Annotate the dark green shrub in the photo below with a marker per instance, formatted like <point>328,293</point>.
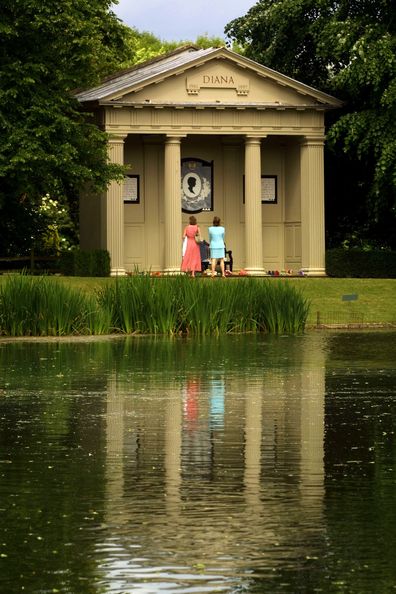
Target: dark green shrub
<point>100,263</point>
<point>82,263</point>
<point>85,263</point>
<point>360,263</point>
<point>67,263</point>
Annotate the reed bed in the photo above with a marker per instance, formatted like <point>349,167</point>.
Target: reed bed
<point>181,305</point>
<point>41,306</point>
<point>141,304</point>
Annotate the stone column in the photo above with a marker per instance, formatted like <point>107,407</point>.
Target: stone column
<point>172,205</point>
<point>312,206</point>
<point>253,217</point>
<point>114,210</point>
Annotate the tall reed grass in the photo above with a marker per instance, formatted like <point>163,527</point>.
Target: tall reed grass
<point>141,304</point>
<point>173,305</point>
<point>41,306</point>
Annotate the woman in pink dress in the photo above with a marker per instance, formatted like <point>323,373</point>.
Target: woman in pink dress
<point>192,257</point>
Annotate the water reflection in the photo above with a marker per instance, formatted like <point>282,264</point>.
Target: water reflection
<point>239,464</point>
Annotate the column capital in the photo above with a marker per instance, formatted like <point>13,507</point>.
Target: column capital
<point>174,138</point>
<point>252,139</point>
<point>116,138</point>
<point>317,140</point>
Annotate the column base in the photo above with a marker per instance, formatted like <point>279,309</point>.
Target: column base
<point>313,271</point>
<point>117,272</point>
<point>172,272</point>
<point>256,271</point>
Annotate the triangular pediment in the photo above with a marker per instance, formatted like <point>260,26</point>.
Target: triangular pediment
<point>215,76</point>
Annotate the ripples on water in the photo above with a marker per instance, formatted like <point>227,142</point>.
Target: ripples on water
<point>242,464</point>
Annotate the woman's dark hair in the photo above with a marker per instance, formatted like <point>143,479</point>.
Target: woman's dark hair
<point>193,220</point>
<point>216,221</point>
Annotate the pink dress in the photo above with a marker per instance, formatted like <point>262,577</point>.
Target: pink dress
<point>192,257</point>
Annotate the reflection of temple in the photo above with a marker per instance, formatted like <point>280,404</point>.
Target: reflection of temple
<point>220,466</point>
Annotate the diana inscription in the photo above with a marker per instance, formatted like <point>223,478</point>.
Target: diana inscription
<point>217,80</point>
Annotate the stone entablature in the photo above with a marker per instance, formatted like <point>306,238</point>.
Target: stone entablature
<point>219,120</point>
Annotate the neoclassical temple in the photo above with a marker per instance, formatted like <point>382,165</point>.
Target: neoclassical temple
<point>209,132</point>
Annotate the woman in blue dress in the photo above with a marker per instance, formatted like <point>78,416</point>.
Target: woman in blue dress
<point>217,245</point>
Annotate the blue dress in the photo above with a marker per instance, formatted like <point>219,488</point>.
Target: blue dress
<point>216,240</point>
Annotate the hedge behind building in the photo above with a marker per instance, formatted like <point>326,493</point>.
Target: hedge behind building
<point>360,263</point>
<point>85,263</point>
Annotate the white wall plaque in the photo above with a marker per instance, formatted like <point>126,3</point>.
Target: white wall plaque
<point>269,190</point>
<point>131,192</point>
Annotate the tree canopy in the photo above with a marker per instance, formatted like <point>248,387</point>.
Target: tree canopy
<point>142,46</point>
<point>47,49</point>
<point>347,48</point>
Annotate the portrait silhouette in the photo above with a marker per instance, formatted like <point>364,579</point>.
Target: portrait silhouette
<point>192,182</point>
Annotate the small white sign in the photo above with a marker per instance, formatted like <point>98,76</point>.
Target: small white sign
<point>131,188</point>
<point>268,188</point>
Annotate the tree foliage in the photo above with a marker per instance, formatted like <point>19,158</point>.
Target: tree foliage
<point>281,35</point>
<point>347,48</point>
<point>47,49</point>
<point>142,46</point>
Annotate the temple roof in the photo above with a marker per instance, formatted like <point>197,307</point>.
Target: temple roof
<point>126,87</point>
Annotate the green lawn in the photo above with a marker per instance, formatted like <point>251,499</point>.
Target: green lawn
<point>375,303</point>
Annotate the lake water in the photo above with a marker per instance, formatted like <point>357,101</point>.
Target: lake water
<point>241,464</point>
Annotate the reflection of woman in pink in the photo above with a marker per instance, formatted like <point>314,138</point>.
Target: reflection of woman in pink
<point>191,404</point>
<point>192,258</point>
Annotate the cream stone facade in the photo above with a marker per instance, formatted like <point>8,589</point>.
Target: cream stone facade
<point>254,126</point>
